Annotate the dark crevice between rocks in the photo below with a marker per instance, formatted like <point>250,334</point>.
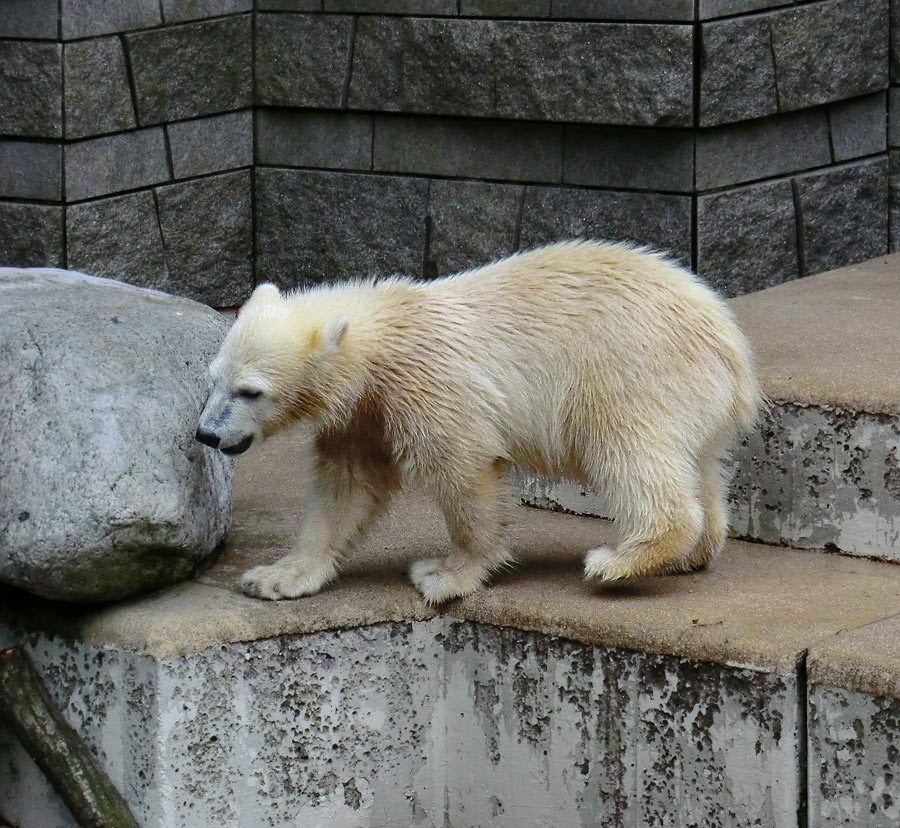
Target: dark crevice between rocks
<point>129,72</point>
<point>774,69</point>
<point>520,210</point>
<point>348,75</point>
<point>802,743</point>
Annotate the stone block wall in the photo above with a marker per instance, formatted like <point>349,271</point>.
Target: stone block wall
<point>201,146</point>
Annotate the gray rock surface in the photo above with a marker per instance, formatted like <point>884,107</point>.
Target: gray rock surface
<point>30,89</point>
<point>31,235</point>
<point>105,492</point>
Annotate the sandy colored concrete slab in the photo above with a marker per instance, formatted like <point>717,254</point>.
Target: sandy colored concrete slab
<point>758,606</point>
<point>830,339</point>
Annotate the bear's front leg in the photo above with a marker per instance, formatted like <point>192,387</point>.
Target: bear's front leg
<point>475,515</point>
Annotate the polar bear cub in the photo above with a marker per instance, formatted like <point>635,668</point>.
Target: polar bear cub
<point>597,362</point>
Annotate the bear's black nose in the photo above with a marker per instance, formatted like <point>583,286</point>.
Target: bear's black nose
<point>207,438</point>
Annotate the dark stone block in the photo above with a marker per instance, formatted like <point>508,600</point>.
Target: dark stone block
<point>31,235</point>
<point>591,72</point>
<point>630,157</point>
<point>97,96</point>
<point>180,11</point>
<point>472,223</point>
<point>208,238</point>
<point>84,18</point>
<point>662,222</point>
<point>830,50</point>
<point>762,148</point>
<point>119,238</point>
<point>319,226</point>
<point>894,200</point>
<point>894,116</point>
<point>30,18</point>
<point>844,214</point>
<point>708,9</point>
<point>444,7</point>
<point>30,89</point>
<point>468,148</point>
<point>737,71</point>
<point>207,145</point>
<point>662,10</point>
<point>858,126</point>
<point>747,237</point>
<point>115,163</point>
<point>289,5</point>
<point>302,60</point>
<point>333,140</point>
<point>894,47</point>
<point>30,170</point>
<point>190,70</point>
<point>504,8</point>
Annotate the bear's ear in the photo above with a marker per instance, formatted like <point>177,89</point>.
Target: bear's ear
<point>335,331</point>
<point>266,292</point>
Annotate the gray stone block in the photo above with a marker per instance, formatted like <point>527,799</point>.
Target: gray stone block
<point>894,116</point>
<point>107,379</point>
<point>97,92</point>
<point>442,7</point>
<point>318,226</point>
<point>844,214</point>
<point>302,60</point>
<point>30,89</point>
<point>207,145</point>
<point>31,235</point>
<point>191,70</point>
<point>86,18</point>
<point>830,50</point>
<point>894,46</point>
<point>207,234</point>
<point>662,222</point>
<point>37,19</point>
<point>894,199</point>
<point>119,238</point>
<point>179,11</point>
<point>115,163</point>
<point>289,5</point>
<point>762,148</point>
<point>30,170</point>
<point>737,73</point>
<point>332,140</point>
<point>591,72</point>
<point>472,223</point>
<point>854,742</point>
<point>630,158</point>
<point>469,148</point>
<point>858,126</point>
<point>747,237</point>
<point>661,10</point>
<point>504,8</point>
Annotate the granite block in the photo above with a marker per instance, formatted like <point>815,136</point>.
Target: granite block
<point>894,44</point>
<point>471,223</point>
<point>37,19</point>
<point>97,92</point>
<point>180,11</point>
<point>747,237</point>
<point>31,235</point>
<point>207,235</point>
<point>30,89</point>
<point>302,59</point>
<point>591,72</point>
<point>662,222</point>
<point>193,69</point>
<point>442,7</point>
<point>630,157</point>
<point>115,163</point>
<point>207,145</point>
<point>30,170</point>
<point>332,140</point>
<point>858,126</point>
<point>844,214</point>
<point>709,9</point>
<point>894,199</point>
<point>320,226</point>
<point>658,10</point>
<point>762,148</point>
<point>468,148</point>
<point>86,18</point>
<point>289,5</point>
<point>119,238</point>
<point>504,8</point>
<point>894,116</point>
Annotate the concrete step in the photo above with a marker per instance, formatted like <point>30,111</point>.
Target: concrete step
<point>823,468</point>
<point>763,692</point>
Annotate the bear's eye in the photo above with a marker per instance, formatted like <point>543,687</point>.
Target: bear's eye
<point>249,394</point>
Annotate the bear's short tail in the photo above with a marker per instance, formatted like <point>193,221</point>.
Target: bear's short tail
<point>749,400</point>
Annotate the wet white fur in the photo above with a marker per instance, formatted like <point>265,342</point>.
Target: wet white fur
<point>597,362</point>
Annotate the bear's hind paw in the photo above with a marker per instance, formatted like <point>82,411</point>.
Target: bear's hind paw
<point>438,582</point>
<point>280,581</point>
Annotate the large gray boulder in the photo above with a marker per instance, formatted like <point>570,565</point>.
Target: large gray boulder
<point>103,490</point>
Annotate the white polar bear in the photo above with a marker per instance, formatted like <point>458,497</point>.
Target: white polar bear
<point>597,362</point>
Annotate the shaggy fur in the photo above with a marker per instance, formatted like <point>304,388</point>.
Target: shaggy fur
<point>596,362</point>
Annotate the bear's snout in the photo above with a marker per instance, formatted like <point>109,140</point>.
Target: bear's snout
<point>207,438</point>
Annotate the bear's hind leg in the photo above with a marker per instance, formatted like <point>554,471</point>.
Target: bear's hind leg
<point>475,516</point>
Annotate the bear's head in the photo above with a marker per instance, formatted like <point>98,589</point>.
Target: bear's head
<point>274,368</point>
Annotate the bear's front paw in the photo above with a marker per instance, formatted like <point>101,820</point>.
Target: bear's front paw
<point>283,580</point>
<point>438,582</point>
